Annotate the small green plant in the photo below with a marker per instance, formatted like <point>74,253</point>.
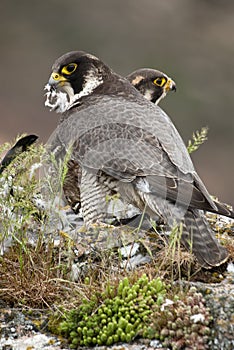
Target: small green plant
<point>198,138</point>
<point>114,318</point>
<point>146,309</point>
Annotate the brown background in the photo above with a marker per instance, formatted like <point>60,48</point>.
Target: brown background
<point>191,40</point>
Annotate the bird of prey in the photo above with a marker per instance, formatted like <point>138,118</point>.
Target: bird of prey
<point>21,146</point>
<point>154,86</point>
<point>128,146</point>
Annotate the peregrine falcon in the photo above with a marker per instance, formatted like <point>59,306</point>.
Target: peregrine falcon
<point>154,86</point>
<point>152,83</point>
<point>126,145</point>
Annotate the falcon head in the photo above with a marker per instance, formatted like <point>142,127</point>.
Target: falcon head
<point>153,84</point>
<point>74,75</point>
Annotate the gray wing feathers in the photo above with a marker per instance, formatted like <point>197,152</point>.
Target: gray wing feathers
<point>115,138</point>
<point>122,112</point>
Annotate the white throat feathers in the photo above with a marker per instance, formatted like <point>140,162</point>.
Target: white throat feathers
<point>63,99</point>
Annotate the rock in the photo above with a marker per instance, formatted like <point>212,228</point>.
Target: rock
<point>20,333</point>
<point>220,300</point>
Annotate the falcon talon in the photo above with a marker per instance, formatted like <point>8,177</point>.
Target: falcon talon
<point>99,224</point>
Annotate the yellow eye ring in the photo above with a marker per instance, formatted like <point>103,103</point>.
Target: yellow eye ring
<point>69,69</point>
<point>160,81</point>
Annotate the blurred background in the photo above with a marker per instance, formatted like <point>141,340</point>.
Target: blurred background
<point>191,40</point>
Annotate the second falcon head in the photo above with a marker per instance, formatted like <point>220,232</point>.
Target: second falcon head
<point>153,84</point>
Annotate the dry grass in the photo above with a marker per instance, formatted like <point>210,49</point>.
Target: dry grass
<point>31,277</point>
<point>40,276</point>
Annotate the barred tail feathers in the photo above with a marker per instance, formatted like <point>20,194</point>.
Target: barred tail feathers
<point>197,236</point>
<point>200,239</point>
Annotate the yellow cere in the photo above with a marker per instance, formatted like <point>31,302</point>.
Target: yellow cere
<point>56,76</point>
<point>59,78</point>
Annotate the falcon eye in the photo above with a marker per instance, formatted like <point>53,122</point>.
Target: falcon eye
<point>69,69</point>
<point>160,81</point>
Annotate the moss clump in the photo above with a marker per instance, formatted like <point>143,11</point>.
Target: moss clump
<point>139,310</point>
<point>118,318</point>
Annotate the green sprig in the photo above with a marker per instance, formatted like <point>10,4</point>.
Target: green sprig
<point>198,138</point>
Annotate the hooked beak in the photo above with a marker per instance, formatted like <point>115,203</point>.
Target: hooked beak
<point>57,79</point>
<point>170,85</point>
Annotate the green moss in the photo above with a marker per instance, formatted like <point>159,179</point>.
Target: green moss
<point>139,310</point>
<point>118,318</point>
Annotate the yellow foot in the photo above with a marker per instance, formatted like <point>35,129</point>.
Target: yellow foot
<point>99,224</point>
<point>64,235</point>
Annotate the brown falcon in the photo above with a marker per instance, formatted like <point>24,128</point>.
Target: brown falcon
<point>154,86</point>
<point>125,144</point>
